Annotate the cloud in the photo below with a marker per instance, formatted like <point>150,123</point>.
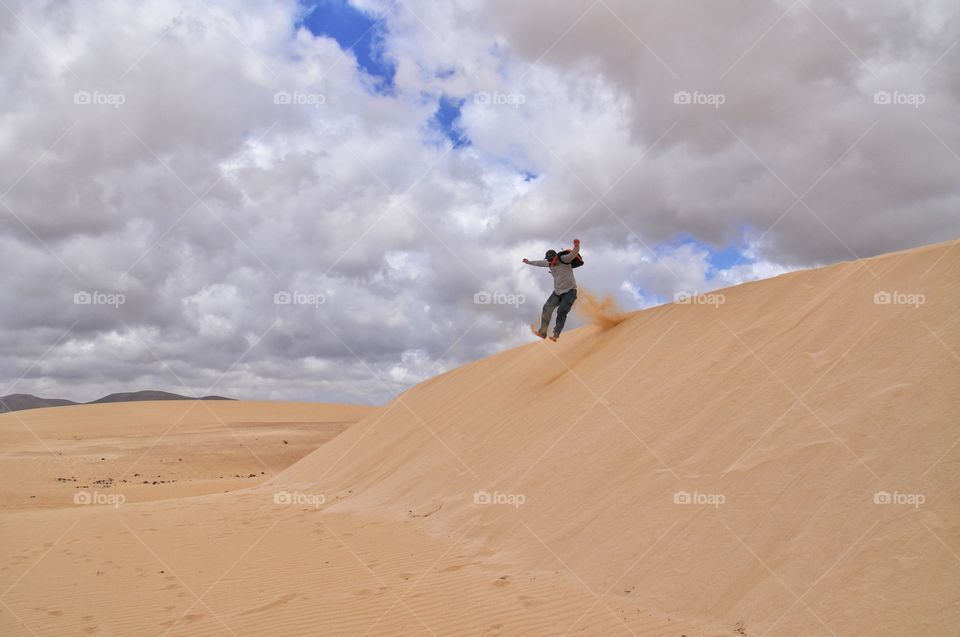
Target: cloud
<point>199,159</point>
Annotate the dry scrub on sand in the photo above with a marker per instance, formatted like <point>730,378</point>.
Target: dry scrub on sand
<point>604,313</point>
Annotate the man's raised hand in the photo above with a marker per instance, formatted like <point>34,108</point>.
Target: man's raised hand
<point>576,243</point>
<point>526,260</point>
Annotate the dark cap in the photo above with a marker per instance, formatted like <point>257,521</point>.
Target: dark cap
<point>550,255</point>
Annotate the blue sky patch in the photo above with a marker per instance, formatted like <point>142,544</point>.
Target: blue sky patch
<point>446,119</point>
<point>727,257</point>
<point>355,31</point>
<point>718,259</point>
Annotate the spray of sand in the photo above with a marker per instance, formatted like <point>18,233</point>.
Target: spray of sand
<point>604,313</point>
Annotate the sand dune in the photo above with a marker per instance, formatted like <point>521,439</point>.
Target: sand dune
<point>780,458</point>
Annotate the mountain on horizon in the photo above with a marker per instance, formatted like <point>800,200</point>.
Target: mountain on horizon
<point>149,394</point>
<point>20,402</point>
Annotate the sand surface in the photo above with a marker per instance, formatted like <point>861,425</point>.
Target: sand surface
<point>157,449</point>
<point>784,461</point>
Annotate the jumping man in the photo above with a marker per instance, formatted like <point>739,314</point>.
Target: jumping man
<point>564,288</point>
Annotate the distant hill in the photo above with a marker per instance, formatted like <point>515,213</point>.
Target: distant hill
<point>149,394</point>
<point>19,402</point>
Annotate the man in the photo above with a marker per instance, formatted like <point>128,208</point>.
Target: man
<point>564,289</point>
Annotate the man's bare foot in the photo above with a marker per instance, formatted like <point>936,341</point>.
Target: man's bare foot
<point>555,338</point>
<point>538,332</point>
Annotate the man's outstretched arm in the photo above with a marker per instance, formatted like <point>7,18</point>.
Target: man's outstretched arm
<point>540,263</point>
<point>567,258</point>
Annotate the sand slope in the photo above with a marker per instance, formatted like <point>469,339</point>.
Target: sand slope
<point>796,400</point>
<point>787,416</point>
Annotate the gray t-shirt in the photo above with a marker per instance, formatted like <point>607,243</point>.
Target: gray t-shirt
<point>563,279</point>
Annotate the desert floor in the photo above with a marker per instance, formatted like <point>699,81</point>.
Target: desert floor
<point>158,449</point>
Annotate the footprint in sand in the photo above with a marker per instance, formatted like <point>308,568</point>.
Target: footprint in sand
<point>452,568</point>
<point>528,602</point>
<point>280,601</point>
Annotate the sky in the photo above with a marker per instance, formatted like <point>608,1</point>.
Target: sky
<point>315,200</point>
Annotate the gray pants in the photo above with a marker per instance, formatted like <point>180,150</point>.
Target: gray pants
<point>562,304</point>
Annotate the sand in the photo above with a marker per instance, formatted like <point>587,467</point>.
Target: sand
<point>780,458</point>
<point>155,450</point>
<point>604,312</point>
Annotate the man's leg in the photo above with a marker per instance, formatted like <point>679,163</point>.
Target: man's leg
<point>566,302</point>
<point>547,313</point>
